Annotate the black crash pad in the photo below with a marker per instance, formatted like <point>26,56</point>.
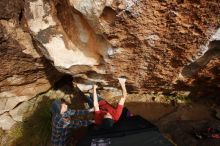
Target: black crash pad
<point>132,131</point>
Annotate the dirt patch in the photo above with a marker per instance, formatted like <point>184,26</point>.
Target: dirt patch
<point>182,132</point>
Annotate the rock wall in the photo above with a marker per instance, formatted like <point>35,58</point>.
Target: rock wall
<point>24,72</point>
<point>158,45</point>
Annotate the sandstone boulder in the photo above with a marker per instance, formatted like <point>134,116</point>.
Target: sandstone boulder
<point>157,45</point>
<point>24,72</point>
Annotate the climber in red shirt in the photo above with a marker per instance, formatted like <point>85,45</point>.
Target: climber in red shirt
<point>105,114</point>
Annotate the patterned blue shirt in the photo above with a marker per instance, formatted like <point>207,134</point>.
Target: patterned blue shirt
<point>63,124</point>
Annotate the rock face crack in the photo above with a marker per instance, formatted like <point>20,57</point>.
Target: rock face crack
<point>212,53</point>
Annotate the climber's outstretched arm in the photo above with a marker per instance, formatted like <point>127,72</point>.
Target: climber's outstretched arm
<point>95,99</point>
<point>124,91</point>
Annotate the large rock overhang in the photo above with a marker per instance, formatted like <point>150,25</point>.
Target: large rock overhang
<point>156,45</point>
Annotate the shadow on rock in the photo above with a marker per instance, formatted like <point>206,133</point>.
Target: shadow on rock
<point>36,129</point>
